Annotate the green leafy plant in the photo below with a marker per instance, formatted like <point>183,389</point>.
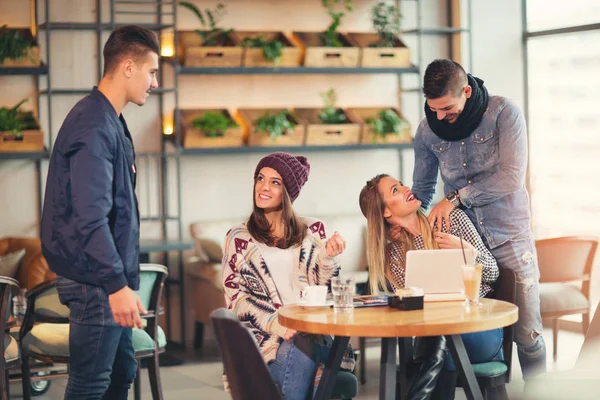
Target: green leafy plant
<point>387,122</point>
<point>213,124</point>
<point>275,125</point>
<point>271,48</point>
<point>15,121</point>
<point>386,21</point>
<point>212,36</point>
<point>12,44</point>
<point>330,36</point>
<point>330,113</point>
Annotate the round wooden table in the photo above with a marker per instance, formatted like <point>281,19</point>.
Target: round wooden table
<point>450,319</point>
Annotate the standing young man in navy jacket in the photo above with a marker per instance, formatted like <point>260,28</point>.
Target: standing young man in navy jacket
<point>90,220</point>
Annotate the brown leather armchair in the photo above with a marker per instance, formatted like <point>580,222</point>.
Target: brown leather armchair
<point>34,267</point>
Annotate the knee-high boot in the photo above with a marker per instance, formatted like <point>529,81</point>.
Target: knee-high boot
<point>428,372</point>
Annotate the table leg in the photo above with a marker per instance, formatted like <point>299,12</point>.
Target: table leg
<point>405,354</point>
<point>387,374</point>
<point>332,366</point>
<point>464,368</point>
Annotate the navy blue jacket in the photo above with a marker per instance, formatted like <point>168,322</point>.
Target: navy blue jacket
<point>90,220</point>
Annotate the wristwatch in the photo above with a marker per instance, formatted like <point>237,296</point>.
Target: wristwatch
<point>454,198</point>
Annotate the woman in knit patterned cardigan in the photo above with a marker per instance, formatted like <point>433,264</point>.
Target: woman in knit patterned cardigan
<point>267,262</point>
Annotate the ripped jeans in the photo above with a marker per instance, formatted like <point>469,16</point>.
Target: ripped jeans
<point>519,255</point>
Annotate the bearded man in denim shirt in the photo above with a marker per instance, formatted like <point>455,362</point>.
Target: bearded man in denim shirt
<point>479,144</point>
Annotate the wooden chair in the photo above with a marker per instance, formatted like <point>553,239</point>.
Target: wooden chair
<point>44,334</point>
<point>8,288</point>
<point>564,261</point>
<point>248,375</point>
<point>493,376</point>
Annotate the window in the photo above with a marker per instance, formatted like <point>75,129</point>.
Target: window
<point>564,119</point>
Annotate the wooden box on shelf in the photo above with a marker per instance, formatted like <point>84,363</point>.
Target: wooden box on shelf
<point>195,54</point>
<point>319,56</point>
<point>248,116</point>
<point>363,115</point>
<point>320,134</point>
<point>31,55</point>
<point>27,141</point>
<point>380,57</point>
<point>254,56</point>
<point>196,138</point>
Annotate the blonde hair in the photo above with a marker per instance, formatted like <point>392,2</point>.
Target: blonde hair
<point>378,254</point>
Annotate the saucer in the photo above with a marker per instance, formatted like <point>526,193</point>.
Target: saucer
<point>327,304</point>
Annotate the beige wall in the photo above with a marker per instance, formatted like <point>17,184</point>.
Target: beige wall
<point>216,190</point>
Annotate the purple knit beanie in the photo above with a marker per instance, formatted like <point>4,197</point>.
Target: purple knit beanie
<point>294,170</point>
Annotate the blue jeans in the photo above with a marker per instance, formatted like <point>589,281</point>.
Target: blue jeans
<point>520,256</point>
<point>102,363</point>
<point>481,347</point>
<point>294,371</point>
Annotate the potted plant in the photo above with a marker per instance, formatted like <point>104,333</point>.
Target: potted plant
<point>267,49</point>
<point>384,48</point>
<point>210,128</point>
<point>19,130</point>
<point>381,125</point>
<point>329,125</point>
<point>211,46</point>
<point>330,48</point>
<point>18,48</point>
<point>272,127</point>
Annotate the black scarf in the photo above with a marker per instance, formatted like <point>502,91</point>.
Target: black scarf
<point>469,118</point>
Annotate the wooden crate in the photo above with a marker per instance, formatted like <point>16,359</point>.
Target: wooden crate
<point>31,140</point>
<point>196,55</point>
<point>249,115</point>
<point>32,56</point>
<point>253,57</point>
<point>320,134</point>
<point>380,57</point>
<point>317,55</point>
<point>195,138</point>
<point>363,114</point>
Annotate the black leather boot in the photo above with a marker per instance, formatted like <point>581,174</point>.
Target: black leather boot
<point>429,371</point>
<point>446,386</point>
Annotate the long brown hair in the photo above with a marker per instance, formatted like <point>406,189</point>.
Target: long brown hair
<point>294,229</point>
<point>378,254</point>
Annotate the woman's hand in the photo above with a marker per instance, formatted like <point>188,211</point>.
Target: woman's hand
<point>335,245</point>
<point>289,334</point>
<point>449,241</point>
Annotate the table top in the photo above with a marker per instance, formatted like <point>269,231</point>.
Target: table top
<point>437,318</point>
<point>160,245</point>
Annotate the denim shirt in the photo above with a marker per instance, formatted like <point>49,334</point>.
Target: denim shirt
<point>487,168</point>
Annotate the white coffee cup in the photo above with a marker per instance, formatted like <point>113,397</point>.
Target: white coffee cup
<point>314,295</point>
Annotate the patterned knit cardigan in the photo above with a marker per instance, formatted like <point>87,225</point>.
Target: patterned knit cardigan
<point>250,291</point>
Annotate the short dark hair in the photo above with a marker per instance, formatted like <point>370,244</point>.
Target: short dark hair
<point>444,76</point>
<point>128,41</point>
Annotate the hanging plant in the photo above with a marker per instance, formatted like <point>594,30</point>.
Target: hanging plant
<point>386,21</point>
<point>330,113</point>
<point>275,125</point>
<point>13,45</point>
<point>387,122</point>
<point>212,35</point>
<point>330,36</point>
<point>213,124</point>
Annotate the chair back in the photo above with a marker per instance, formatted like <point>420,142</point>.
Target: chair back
<point>566,259</point>
<point>506,290</point>
<point>589,356</point>
<point>246,371</point>
<point>9,287</point>
<point>152,277</point>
